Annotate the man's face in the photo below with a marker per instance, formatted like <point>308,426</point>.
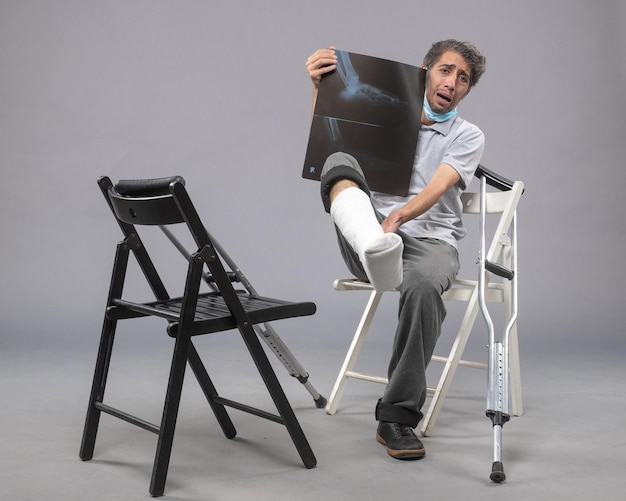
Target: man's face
<point>448,82</point>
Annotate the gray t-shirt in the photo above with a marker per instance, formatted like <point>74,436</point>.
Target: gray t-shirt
<point>458,143</point>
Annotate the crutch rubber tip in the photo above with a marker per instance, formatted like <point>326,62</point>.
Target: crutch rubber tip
<point>320,402</point>
<point>497,472</point>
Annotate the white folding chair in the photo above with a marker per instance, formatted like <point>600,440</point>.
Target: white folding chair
<point>503,204</point>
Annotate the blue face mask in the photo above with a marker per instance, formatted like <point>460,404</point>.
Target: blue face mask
<point>437,117</point>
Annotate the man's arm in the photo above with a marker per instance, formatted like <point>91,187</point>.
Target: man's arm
<point>444,177</point>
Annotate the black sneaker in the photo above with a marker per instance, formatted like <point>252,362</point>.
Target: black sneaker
<point>400,441</point>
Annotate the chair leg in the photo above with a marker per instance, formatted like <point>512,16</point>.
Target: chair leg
<point>92,419</point>
<point>170,415</point>
<point>515,377</point>
<point>278,396</point>
<point>436,403</point>
<point>120,264</point>
<point>210,393</point>
<point>353,352</point>
<point>517,407</point>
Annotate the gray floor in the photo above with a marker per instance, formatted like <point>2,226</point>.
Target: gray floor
<point>568,445</point>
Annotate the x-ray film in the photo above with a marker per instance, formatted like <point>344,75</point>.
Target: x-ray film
<point>370,108</point>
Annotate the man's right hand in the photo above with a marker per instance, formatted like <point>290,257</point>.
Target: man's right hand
<point>319,63</point>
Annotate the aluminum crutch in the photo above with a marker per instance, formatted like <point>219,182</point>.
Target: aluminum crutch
<point>498,363</point>
<point>266,331</point>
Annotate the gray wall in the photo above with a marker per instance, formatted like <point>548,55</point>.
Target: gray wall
<point>217,91</point>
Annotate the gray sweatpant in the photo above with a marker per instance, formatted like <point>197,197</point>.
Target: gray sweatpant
<point>429,267</point>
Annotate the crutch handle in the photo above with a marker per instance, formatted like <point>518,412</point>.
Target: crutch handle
<point>499,270</point>
<point>497,181</point>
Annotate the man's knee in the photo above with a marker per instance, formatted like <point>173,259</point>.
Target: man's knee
<point>429,265</point>
<point>340,167</point>
<point>340,159</point>
<point>423,282</point>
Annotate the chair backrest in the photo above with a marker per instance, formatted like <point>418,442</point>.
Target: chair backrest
<point>162,202</point>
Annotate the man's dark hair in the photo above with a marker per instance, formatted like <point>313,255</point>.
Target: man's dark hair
<point>467,50</point>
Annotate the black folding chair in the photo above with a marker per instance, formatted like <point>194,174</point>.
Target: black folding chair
<point>164,202</point>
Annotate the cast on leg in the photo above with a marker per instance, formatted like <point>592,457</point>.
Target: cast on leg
<point>380,252</point>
